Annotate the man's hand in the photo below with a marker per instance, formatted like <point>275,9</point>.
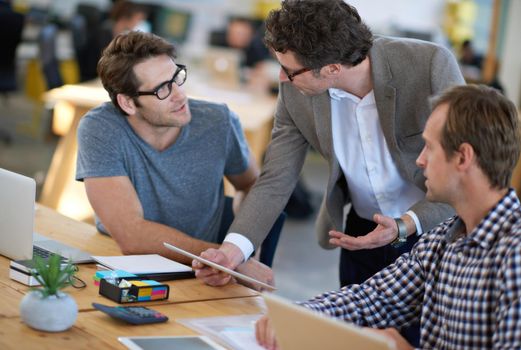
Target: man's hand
<point>209,275</point>
<point>395,336</point>
<point>383,234</point>
<point>257,270</point>
<point>265,334</point>
<point>228,255</point>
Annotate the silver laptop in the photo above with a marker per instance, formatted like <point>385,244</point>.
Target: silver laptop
<point>299,328</point>
<point>223,64</point>
<point>17,241</point>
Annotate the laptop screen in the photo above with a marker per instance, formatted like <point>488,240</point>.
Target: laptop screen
<point>299,328</point>
<point>17,199</point>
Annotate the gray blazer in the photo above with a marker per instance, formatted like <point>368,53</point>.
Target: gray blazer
<point>405,74</point>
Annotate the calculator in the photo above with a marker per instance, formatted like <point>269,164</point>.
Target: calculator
<point>132,314</point>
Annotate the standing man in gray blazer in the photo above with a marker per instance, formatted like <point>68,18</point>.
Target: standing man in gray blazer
<point>362,102</point>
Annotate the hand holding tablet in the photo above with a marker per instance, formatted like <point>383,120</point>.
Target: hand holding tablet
<point>233,273</point>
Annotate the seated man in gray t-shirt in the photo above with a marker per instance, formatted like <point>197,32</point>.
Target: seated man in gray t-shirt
<point>153,161</point>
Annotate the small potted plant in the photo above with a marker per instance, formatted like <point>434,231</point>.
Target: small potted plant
<point>48,308</point>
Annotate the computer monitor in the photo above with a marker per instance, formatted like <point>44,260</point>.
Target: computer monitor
<point>172,24</point>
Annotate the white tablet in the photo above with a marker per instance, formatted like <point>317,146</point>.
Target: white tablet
<point>220,267</point>
<point>161,343</point>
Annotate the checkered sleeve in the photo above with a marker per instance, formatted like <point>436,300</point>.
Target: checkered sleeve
<point>391,298</point>
<point>508,332</point>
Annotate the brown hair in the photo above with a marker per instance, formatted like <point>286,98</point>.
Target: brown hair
<point>482,117</point>
<point>126,9</point>
<point>116,66</point>
<point>319,32</point>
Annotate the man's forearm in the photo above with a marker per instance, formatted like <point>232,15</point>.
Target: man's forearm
<point>147,237</point>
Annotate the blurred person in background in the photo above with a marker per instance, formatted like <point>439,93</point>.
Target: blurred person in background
<point>242,34</point>
<point>123,17</point>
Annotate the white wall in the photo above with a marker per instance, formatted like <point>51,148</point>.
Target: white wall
<point>419,15</point>
<point>510,69</point>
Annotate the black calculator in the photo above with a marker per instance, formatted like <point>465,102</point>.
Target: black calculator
<point>132,314</point>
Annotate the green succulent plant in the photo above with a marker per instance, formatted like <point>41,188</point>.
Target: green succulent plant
<point>52,274</point>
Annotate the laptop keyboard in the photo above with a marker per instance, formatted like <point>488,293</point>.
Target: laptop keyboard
<point>43,253</point>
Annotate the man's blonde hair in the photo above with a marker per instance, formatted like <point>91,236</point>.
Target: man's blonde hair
<point>482,117</point>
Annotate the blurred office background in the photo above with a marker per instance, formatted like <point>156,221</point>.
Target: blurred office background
<point>49,43</point>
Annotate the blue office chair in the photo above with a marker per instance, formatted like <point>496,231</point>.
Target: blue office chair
<point>11,26</point>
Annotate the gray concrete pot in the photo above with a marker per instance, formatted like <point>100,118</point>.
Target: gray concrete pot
<point>55,313</point>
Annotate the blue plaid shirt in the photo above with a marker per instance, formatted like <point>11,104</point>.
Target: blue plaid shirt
<point>465,288</point>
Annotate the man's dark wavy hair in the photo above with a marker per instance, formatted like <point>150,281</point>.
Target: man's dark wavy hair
<point>319,32</point>
<point>125,51</point>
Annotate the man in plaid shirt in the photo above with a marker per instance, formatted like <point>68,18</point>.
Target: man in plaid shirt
<point>463,278</point>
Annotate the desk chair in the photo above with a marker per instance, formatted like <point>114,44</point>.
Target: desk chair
<point>11,26</point>
<point>49,61</point>
<point>42,74</point>
<point>89,44</point>
<point>78,27</point>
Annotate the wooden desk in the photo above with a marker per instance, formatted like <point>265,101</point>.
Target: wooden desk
<point>63,193</point>
<point>96,329</point>
<point>10,300</point>
<point>181,291</point>
<point>84,236</point>
<point>98,323</point>
<point>14,334</point>
<point>93,329</point>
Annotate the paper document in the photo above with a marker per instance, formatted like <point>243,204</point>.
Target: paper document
<point>236,332</point>
<point>142,264</point>
<point>235,274</point>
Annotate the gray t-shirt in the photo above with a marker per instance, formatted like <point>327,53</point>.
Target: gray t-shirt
<point>182,186</point>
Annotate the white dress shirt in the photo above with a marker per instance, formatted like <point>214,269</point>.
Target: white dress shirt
<point>375,184</point>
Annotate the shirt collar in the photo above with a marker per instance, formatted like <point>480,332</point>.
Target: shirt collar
<point>455,230</point>
<point>487,231</point>
<point>338,94</point>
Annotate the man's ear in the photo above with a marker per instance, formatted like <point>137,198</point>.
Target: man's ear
<point>466,156</point>
<point>126,103</point>
<point>333,68</point>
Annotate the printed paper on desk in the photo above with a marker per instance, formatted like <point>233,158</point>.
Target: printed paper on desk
<point>236,332</point>
<point>142,264</point>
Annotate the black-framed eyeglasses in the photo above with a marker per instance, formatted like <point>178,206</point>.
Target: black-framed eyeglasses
<point>164,89</point>
<point>295,73</point>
